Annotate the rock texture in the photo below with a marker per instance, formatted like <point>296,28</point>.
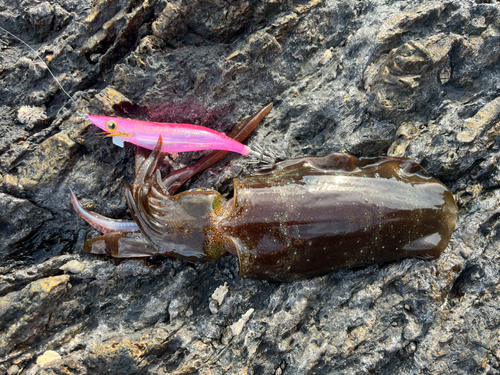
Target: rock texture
<point>408,78</point>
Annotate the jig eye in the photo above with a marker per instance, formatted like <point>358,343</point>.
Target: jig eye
<point>111,126</point>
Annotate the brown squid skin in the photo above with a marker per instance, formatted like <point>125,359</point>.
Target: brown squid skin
<point>308,216</point>
<point>302,218</point>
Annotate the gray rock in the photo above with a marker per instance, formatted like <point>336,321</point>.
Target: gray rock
<point>410,78</point>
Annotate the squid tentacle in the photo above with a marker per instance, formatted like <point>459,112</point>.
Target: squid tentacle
<point>148,167</point>
<point>139,216</point>
<point>102,223</point>
<point>136,196</point>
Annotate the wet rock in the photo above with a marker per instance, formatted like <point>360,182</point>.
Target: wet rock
<point>408,76</point>
<point>485,118</point>
<point>25,314</point>
<point>42,16</point>
<point>416,79</point>
<point>169,24</point>
<point>19,218</point>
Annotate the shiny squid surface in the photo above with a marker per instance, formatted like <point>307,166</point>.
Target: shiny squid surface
<point>304,217</point>
<point>310,215</point>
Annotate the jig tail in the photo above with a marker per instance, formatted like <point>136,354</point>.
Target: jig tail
<point>263,156</point>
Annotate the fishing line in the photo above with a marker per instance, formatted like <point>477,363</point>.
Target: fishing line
<point>44,63</point>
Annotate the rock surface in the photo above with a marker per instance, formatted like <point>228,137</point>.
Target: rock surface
<point>409,78</point>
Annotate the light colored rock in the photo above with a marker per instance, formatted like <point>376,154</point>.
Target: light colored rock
<point>73,266</point>
<point>48,357</point>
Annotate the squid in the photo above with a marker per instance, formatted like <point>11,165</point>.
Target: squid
<point>300,218</point>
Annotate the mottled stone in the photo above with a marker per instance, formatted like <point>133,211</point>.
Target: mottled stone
<point>415,79</point>
<point>407,78</point>
<point>237,327</point>
<point>46,163</point>
<point>19,219</point>
<point>218,297</point>
<point>24,314</point>
<point>48,357</point>
<point>41,16</point>
<point>73,266</point>
<point>31,115</point>
<point>485,118</point>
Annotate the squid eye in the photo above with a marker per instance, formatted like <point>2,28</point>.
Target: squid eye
<point>111,126</point>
